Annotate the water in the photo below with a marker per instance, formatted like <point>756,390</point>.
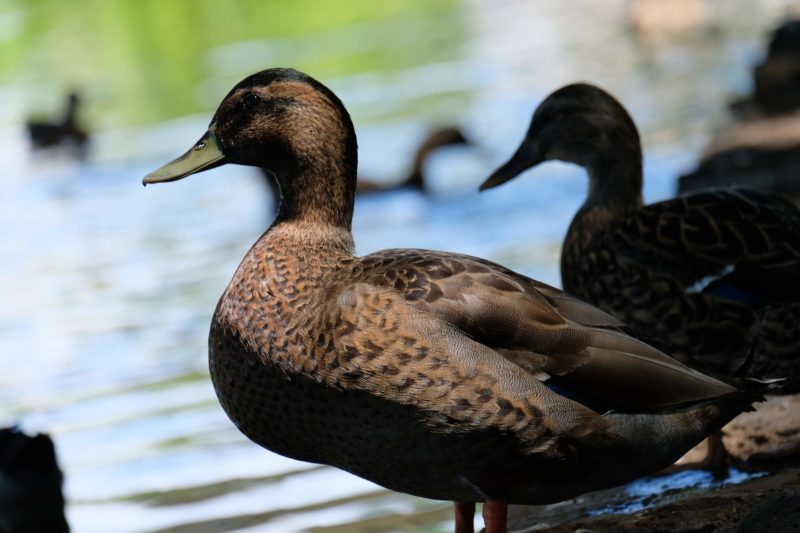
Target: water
<point>108,288</point>
<point>646,491</point>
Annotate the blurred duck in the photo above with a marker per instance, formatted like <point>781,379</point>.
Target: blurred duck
<point>763,150</point>
<point>762,153</point>
<point>437,138</point>
<point>711,275</point>
<point>776,80</point>
<point>64,131</point>
<point>30,484</point>
<point>436,374</point>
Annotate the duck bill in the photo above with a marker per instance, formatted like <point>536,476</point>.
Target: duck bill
<point>521,161</point>
<point>204,155</point>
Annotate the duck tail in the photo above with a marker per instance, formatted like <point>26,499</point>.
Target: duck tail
<point>752,390</point>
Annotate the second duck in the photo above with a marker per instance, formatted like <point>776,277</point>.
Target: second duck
<point>711,274</point>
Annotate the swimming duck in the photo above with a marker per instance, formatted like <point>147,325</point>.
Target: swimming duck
<point>437,138</point>
<point>711,274</point>
<point>435,374</point>
<point>66,130</point>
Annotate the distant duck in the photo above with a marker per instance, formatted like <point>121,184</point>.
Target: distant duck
<point>436,374</point>
<point>31,500</point>
<point>64,131</point>
<point>437,138</point>
<point>415,180</point>
<point>762,150</point>
<point>762,153</point>
<point>777,79</point>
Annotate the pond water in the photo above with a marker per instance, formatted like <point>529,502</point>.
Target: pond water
<point>108,288</point>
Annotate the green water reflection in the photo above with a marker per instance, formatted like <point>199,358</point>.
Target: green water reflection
<point>145,61</point>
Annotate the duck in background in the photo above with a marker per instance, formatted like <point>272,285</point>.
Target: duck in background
<point>415,180</point>
<point>436,374</point>
<point>710,275</point>
<point>762,149</point>
<point>66,131</point>
<point>30,484</point>
<point>436,138</point>
<point>776,80</point>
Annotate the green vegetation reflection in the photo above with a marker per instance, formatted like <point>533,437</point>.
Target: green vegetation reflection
<point>144,61</point>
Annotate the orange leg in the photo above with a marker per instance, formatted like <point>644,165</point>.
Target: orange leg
<point>494,516</point>
<point>715,460</point>
<point>465,517</point>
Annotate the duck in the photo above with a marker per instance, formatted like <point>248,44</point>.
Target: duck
<point>436,138</point>
<point>31,499</point>
<point>709,276</point>
<point>761,149</point>
<point>761,153</point>
<point>435,374</point>
<point>415,180</point>
<point>65,131</point>
<point>776,80</point>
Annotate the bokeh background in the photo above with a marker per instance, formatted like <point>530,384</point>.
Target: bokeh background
<point>107,288</point>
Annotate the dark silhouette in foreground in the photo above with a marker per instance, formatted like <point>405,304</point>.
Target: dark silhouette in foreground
<point>30,484</point>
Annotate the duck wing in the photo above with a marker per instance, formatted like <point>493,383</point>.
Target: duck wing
<point>737,244</point>
<point>468,309</point>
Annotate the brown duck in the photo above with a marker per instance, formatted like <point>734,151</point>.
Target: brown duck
<point>435,374</point>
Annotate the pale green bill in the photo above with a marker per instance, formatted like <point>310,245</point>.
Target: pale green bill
<point>205,154</point>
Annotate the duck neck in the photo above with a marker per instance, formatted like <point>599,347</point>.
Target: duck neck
<point>318,193</point>
<point>318,247</point>
<point>415,178</point>
<point>615,182</point>
<point>71,111</point>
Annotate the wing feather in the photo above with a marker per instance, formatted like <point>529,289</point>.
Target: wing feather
<point>540,329</point>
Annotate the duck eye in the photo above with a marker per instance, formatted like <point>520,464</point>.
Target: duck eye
<point>249,101</point>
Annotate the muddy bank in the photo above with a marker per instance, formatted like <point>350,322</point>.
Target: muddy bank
<point>760,494</point>
<point>766,504</point>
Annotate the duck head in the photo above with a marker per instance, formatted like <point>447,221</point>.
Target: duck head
<point>289,124</point>
<point>580,124</point>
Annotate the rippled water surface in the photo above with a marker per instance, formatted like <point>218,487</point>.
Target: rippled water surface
<point>108,288</point>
